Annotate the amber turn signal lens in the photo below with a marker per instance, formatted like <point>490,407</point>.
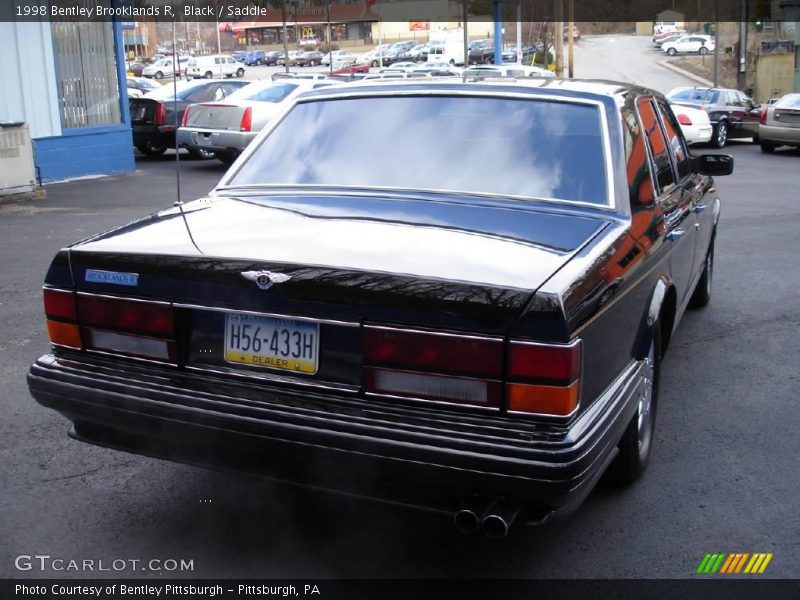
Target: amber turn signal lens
<point>64,334</point>
<point>558,401</point>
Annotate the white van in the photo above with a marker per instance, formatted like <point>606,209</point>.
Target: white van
<point>446,47</point>
<point>215,65</point>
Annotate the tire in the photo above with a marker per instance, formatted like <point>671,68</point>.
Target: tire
<point>636,445</point>
<point>240,73</point>
<point>374,63</point>
<point>258,63</point>
<point>703,50</point>
<point>159,75</point>
<point>208,75</point>
<point>767,148</point>
<point>151,150</point>
<point>199,154</point>
<point>226,158</point>
<point>702,293</point>
<point>720,137</point>
<point>672,52</point>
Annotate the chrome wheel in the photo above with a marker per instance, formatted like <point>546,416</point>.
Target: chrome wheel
<point>644,423</point>
<point>722,135</point>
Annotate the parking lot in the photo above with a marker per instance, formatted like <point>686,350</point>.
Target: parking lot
<point>723,476</point>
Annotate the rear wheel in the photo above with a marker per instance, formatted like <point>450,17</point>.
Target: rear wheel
<point>672,52</point>
<point>240,73</point>
<point>159,75</point>
<point>702,293</point>
<point>767,148</point>
<point>208,75</point>
<point>151,149</point>
<point>720,137</point>
<point>636,444</point>
<point>703,50</point>
<point>225,157</point>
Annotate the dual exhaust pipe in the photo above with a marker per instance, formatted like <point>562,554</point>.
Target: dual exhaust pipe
<point>492,516</point>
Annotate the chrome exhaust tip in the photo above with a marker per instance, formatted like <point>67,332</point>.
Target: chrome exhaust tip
<point>497,523</point>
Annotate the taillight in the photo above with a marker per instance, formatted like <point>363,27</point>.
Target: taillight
<point>62,314</point>
<point>762,117</point>
<point>247,119</point>
<point>185,118</point>
<point>439,367</point>
<point>544,378</point>
<point>160,115</point>
<point>135,327</point>
<point>684,119</point>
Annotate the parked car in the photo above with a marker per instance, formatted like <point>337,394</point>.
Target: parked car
<point>214,65</point>
<point>481,52</point>
<point>348,68</point>
<point>418,53</point>
<point>732,113</point>
<point>271,57</point>
<point>400,66</point>
<point>255,58</point>
<point>659,37</point>
<point>309,59</point>
<point>227,128</point>
<point>154,119</point>
<point>288,59</point>
<point>135,69</point>
<point>240,55</point>
<point>486,342</point>
<point>576,34</point>
<point>672,37</point>
<point>398,52</point>
<point>694,121</point>
<point>438,69</point>
<point>510,54</point>
<point>695,44</point>
<point>338,56</point>
<point>139,86</point>
<point>780,124</point>
<point>374,57</point>
<point>164,67</point>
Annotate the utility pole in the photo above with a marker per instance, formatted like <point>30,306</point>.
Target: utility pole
<point>558,38</point>
<point>285,35</point>
<point>571,37</point>
<point>519,32</point>
<point>742,74</point>
<point>466,36</point>
<point>717,49</point>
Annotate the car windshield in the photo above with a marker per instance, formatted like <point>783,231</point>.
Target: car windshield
<point>695,95</point>
<point>475,145</point>
<point>262,91</point>
<point>166,92</point>
<point>789,101</point>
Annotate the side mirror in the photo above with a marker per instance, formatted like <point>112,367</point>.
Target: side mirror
<point>713,164</point>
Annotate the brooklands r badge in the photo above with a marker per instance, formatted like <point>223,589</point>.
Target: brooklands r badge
<point>265,279</point>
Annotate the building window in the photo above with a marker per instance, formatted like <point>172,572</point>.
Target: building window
<point>86,74</point>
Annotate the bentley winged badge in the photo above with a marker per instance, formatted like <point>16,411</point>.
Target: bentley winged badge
<point>265,279</point>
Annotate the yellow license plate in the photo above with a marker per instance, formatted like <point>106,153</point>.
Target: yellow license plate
<point>273,343</point>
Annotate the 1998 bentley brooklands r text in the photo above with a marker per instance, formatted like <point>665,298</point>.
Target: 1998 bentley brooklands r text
<point>476,332</point>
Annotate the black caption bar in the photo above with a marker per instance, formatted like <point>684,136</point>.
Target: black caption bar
<point>271,11</point>
<point>547,589</point>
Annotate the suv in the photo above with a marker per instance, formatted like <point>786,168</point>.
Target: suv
<point>732,113</point>
<point>695,44</point>
<point>481,52</point>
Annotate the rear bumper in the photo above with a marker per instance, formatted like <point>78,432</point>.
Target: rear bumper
<point>785,135</point>
<point>211,139</point>
<point>423,457</point>
<point>156,135</point>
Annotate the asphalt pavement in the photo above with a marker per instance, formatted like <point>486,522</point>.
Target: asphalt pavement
<point>723,477</point>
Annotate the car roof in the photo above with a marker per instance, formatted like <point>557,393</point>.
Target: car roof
<point>588,88</point>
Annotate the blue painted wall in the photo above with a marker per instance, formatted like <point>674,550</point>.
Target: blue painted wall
<point>90,150</point>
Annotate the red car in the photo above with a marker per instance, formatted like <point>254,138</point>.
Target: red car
<point>347,68</point>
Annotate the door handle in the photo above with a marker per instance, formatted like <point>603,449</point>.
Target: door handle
<point>676,234</point>
<point>699,208</point>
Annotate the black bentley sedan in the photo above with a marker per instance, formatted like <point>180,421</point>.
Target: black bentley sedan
<point>479,334</point>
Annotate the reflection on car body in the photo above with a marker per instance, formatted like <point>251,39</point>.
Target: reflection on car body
<point>482,342</point>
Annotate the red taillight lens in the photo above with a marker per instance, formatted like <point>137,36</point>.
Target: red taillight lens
<point>185,118</point>
<point>762,117</point>
<point>247,119</point>
<point>160,115</point>
<point>684,119</point>
<point>551,362</point>
<point>437,352</point>
<point>60,304</point>
<point>126,315</point>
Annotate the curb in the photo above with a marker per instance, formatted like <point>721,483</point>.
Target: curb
<point>701,80</point>
<point>37,194</point>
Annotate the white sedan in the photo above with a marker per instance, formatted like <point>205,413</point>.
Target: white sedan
<point>696,44</point>
<point>695,123</point>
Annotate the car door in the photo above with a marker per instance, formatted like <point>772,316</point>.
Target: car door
<point>751,115</point>
<point>696,187</point>
<point>736,113</point>
<point>672,198</point>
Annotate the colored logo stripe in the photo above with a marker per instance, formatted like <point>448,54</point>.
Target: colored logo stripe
<point>734,562</point>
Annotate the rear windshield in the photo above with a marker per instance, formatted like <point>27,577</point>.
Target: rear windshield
<point>480,145</point>
<point>696,96</point>
<point>789,101</point>
<point>270,92</point>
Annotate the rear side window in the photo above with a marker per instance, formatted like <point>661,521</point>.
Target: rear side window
<point>676,142</point>
<point>479,145</point>
<point>659,149</point>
